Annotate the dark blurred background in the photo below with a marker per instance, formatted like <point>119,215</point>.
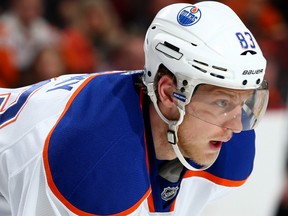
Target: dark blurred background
<point>40,39</point>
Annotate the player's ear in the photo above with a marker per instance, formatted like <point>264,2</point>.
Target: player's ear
<point>165,89</point>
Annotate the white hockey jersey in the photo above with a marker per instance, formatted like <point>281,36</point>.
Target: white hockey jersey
<point>81,145</point>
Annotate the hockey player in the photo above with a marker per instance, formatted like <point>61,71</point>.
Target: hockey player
<point>168,139</point>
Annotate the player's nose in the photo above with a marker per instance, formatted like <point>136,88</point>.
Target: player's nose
<point>234,122</point>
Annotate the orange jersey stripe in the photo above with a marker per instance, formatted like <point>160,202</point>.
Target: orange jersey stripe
<point>213,178</point>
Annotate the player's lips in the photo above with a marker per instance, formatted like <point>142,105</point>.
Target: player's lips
<point>215,145</point>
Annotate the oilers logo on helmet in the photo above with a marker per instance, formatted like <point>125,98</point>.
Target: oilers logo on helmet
<point>189,16</point>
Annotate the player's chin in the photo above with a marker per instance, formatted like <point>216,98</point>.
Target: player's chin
<point>207,160</point>
<point>211,158</point>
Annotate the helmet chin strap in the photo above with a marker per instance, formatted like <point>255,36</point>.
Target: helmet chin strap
<point>172,133</point>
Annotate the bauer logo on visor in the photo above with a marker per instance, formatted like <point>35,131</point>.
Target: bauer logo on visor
<point>189,16</point>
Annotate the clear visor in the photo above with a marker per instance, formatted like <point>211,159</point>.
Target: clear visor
<point>229,108</point>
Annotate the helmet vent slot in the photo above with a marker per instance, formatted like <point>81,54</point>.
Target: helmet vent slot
<point>219,68</point>
<point>198,68</point>
<point>217,75</point>
<point>171,46</point>
<point>197,64</point>
<point>169,50</point>
<point>202,63</point>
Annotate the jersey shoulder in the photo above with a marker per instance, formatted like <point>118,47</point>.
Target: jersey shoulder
<point>96,155</point>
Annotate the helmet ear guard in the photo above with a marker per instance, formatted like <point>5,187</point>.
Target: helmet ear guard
<point>205,43</point>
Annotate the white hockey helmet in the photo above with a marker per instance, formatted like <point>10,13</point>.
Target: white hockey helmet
<point>205,43</point>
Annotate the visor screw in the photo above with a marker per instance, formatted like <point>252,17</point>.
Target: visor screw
<point>244,82</point>
<point>185,82</point>
<point>258,81</point>
<point>149,73</point>
<point>182,89</point>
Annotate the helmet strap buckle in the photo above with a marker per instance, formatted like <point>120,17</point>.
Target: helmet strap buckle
<point>171,136</point>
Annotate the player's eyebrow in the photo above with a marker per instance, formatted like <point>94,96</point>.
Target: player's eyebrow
<point>231,93</point>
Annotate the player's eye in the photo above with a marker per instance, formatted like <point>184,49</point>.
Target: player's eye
<point>222,103</point>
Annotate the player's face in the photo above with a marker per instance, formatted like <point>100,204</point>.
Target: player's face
<point>201,141</point>
<point>212,116</point>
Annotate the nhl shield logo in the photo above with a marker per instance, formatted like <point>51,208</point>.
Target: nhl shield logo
<point>169,193</point>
